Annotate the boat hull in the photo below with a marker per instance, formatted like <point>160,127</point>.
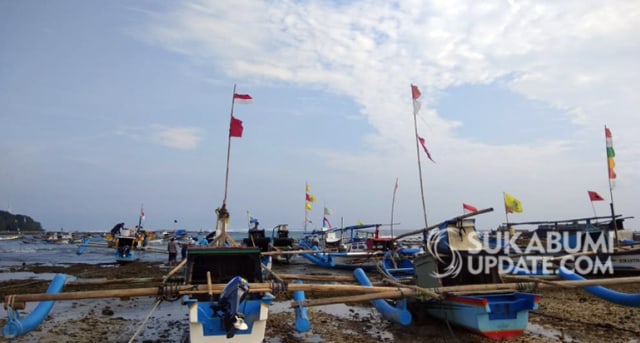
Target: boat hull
<point>495,316</point>
<point>206,327</point>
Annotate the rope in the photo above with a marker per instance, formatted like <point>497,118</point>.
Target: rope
<point>144,322</point>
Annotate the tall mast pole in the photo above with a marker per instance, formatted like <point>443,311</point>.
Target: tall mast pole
<point>393,202</point>
<point>222,213</point>
<point>226,177</point>
<point>415,128</point>
<point>610,173</point>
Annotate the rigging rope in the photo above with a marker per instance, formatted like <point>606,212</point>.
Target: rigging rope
<point>144,322</point>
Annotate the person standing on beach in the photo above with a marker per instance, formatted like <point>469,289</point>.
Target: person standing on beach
<point>183,250</point>
<point>173,251</point>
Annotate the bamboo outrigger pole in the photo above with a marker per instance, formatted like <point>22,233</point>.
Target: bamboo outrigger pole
<point>371,292</point>
<point>466,215</point>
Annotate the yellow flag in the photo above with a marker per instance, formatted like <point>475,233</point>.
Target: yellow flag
<point>308,206</point>
<point>307,189</point>
<point>511,204</point>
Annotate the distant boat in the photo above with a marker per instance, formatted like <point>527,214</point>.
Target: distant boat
<point>9,237</point>
<point>350,247</point>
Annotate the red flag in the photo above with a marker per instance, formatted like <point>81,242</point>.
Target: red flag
<point>424,146</point>
<point>469,208</point>
<point>593,196</point>
<point>242,98</point>
<point>236,127</point>
<point>415,92</point>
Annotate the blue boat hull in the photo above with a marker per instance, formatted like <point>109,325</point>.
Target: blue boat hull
<point>496,316</point>
<point>206,326</point>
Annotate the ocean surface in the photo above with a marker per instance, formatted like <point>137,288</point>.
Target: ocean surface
<point>29,249</point>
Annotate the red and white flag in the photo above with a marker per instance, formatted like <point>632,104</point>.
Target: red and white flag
<point>467,207</point>
<point>235,130</point>
<point>415,95</point>
<point>424,146</point>
<point>242,98</point>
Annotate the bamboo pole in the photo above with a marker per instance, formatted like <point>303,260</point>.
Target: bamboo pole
<point>380,291</point>
<point>174,270</point>
<point>113,281</point>
<point>354,298</point>
<point>467,215</point>
<point>336,278</point>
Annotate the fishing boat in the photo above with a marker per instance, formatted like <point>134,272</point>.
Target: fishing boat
<point>9,237</point>
<point>125,249</point>
<point>452,260</point>
<point>576,243</point>
<point>281,241</point>
<point>350,247</point>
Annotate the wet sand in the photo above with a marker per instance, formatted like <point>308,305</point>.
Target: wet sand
<point>565,315</point>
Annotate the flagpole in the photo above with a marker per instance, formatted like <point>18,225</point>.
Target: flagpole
<point>140,217</point>
<point>222,213</point>
<point>506,212</point>
<point>306,215</point>
<point>594,209</point>
<point>393,201</point>
<point>226,177</point>
<point>613,213</point>
<point>415,128</point>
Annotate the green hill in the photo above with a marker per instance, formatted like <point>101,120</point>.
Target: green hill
<point>12,222</point>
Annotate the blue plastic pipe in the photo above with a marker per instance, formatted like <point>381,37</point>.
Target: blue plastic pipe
<point>17,326</point>
<point>302,321</point>
<point>398,314</point>
<point>632,300</point>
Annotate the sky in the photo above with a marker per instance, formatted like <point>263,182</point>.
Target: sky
<point>107,107</point>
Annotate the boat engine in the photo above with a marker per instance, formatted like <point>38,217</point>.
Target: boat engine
<point>232,294</point>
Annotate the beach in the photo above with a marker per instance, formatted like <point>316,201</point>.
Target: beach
<point>565,315</point>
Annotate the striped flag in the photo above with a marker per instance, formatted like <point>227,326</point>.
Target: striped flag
<point>415,95</point>
<point>467,207</point>
<point>242,98</point>
<point>611,163</point>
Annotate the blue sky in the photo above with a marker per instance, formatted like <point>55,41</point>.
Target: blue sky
<point>107,106</point>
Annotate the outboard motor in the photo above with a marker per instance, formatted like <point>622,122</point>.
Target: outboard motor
<point>229,302</point>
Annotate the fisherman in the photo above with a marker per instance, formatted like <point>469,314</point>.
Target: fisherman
<point>183,250</point>
<point>173,251</point>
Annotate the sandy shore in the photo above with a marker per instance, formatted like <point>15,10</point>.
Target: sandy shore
<point>565,315</point>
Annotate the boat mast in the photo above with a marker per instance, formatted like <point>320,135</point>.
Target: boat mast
<point>415,94</point>
<point>221,212</point>
<point>611,176</point>
<point>393,202</point>
<point>140,217</point>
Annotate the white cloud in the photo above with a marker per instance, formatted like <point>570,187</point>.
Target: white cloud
<point>184,138</point>
<point>576,56</point>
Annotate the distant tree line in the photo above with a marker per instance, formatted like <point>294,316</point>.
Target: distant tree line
<point>13,222</point>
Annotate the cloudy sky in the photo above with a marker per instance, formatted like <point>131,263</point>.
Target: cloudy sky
<point>107,106</point>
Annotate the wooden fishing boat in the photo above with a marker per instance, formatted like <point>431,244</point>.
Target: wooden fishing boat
<point>350,247</point>
<point>125,249</point>
<point>583,242</point>
<point>235,314</point>
<point>451,247</point>
<point>281,241</point>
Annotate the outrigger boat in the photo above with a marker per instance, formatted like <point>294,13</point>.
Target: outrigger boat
<point>350,247</point>
<point>453,252</point>
<point>282,242</point>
